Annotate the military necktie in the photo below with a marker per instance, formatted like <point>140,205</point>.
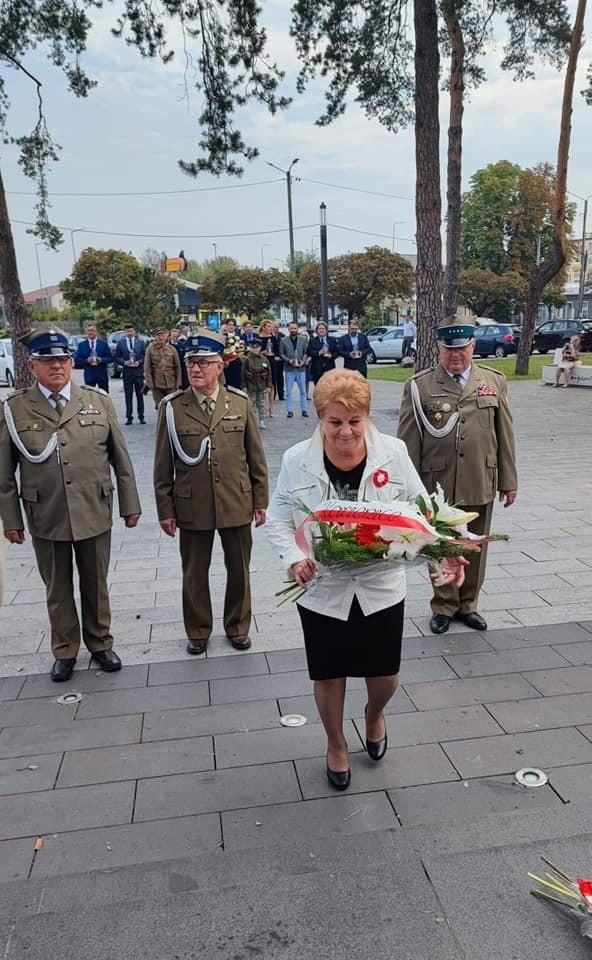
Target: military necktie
<point>208,404</point>
<point>58,401</point>
<point>458,378</point>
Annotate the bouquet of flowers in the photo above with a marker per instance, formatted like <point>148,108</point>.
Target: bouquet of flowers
<point>234,348</point>
<point>341,535</point>
<point>572,896</point>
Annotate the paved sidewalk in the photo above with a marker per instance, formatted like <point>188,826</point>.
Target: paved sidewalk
<point>179,757</point>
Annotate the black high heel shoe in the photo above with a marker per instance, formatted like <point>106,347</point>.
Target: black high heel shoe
<point>376,748</point>
<point>340,781</point>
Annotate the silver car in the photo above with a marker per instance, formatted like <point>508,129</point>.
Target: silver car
<point>389,346</point>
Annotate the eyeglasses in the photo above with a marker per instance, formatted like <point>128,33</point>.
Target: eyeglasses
<point>192,362</point>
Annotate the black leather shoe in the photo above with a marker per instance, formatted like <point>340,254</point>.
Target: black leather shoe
<point>62,670</point>
<point>195,647</point>
<point>473,620</point>
<point>128,423</point>
<point>290,414</point>
<point>439,623</point>
<point>340,781</point>
<point>304,413</point>
<point>142,421</point>
<point>107,660</point>
<point>376,748</point>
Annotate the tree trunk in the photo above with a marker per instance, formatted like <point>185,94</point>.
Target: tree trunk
<point>454,172</point>
<point>428,201</point>
<point>14,302</point>
<point>546,271</point>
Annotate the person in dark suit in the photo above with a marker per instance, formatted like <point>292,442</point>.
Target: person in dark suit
<point>129,355</point>
<point>179,345</point>
<point>322,349</point>
<point>93,356</point>
<point>354,347</point>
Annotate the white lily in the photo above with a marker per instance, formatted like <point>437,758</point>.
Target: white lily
<point>449,515</point>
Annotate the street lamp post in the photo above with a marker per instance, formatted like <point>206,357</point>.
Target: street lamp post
<point>41,287</point>
<point>288,175</point>
<point>215,251</point>
<point>72,232</point>
<point>324,267</point>
<point>263,245</point>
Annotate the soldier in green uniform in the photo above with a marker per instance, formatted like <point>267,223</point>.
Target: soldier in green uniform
<point>210,474</point>
<point>162,367</point>
<point>64,440</point>
<point>455,419</point>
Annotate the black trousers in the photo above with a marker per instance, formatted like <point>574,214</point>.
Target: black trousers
<point>133,384</point>
<point>94,379</point>
<point>277,378</point>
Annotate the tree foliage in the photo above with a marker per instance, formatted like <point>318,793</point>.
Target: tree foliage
<point>488,294</point>
<point>250,290</point>
<point>507,230</point>
<point>198,271</point>
<point>114,280</point>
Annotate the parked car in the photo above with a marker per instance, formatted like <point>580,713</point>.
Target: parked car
<point>389,346</point>
<point>496,339</point>
<point>6,363</point>
<point>554,333</point>
<point>113,339</point>
<point>375,332</point>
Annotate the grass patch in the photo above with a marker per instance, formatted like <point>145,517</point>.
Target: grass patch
<point>398,374</point>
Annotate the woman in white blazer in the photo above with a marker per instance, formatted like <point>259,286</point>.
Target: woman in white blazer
<point>352,627</point>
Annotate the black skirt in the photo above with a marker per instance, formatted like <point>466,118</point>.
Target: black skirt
<point>357,647</point>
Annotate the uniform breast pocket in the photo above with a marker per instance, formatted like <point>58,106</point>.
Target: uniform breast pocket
<point>33,436</point>
<point>233,431</point>
<point>487,407</point>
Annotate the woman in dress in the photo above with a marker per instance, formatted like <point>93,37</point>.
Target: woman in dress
<point>268,349</point>
<point>322,350</point>
<point>352,626</point>
<point>569,359</point>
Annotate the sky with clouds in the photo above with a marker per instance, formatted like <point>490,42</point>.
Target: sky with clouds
<point>127,136</point>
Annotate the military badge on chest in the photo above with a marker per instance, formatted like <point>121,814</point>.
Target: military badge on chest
<point>438,409</point>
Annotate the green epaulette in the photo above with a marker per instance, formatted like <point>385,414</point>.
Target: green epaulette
<point>240,393</point>
<point>17,393</point>
<point>88,386</point>
<point>422,373</point>
<point>172,395</point>
<point>483,366</point>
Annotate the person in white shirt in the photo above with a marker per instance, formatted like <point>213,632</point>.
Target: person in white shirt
<point>409,334</point>
<point>352,626</point>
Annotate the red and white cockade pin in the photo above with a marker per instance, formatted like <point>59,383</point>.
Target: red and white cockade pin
<point>380,478</point>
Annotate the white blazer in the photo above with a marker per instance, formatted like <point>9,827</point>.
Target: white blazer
<point>303,477</point>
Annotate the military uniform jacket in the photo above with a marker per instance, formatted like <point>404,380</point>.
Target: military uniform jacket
<point>70,495</point>
<point>477,458</point>
<point>256,370</point>
<point>225,488</point>
<point>162,367</point>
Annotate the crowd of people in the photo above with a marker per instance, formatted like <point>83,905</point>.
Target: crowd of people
<point>61,445</point>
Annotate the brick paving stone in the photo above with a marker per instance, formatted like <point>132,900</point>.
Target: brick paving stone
<point>271,746</point>
<point>432,646</point>
<point>232,789</point>
<point>506,754</point>
<point>215,668</point>
<point>81,734</point>
<point>16,857</point>
<point>355,701</point>
<point>427,668</point>
<point>10,688</point>
<point>562,680</point>
<point>535,636</point>
<point>572,783</point>
<point>144,700</point>
<point>290,684</point>
<point>465,800</point>
<point>507,661</point>
<point>579,654</point>
<point>402,766</point>
<point>567,710</point>
<point>28,774</point>
<point>105,848</point>
<point>205,721</point>
<point>284,661</point>
<point>457,693</point>
<point>86,681</point>
<point>330,817</point>
<point>432,726</point>
<point>45,711</point>
<point>136,761</point>
<point>57,811</point>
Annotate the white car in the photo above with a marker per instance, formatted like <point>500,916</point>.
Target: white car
<point>389,346</point>
<point>6,363</point>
